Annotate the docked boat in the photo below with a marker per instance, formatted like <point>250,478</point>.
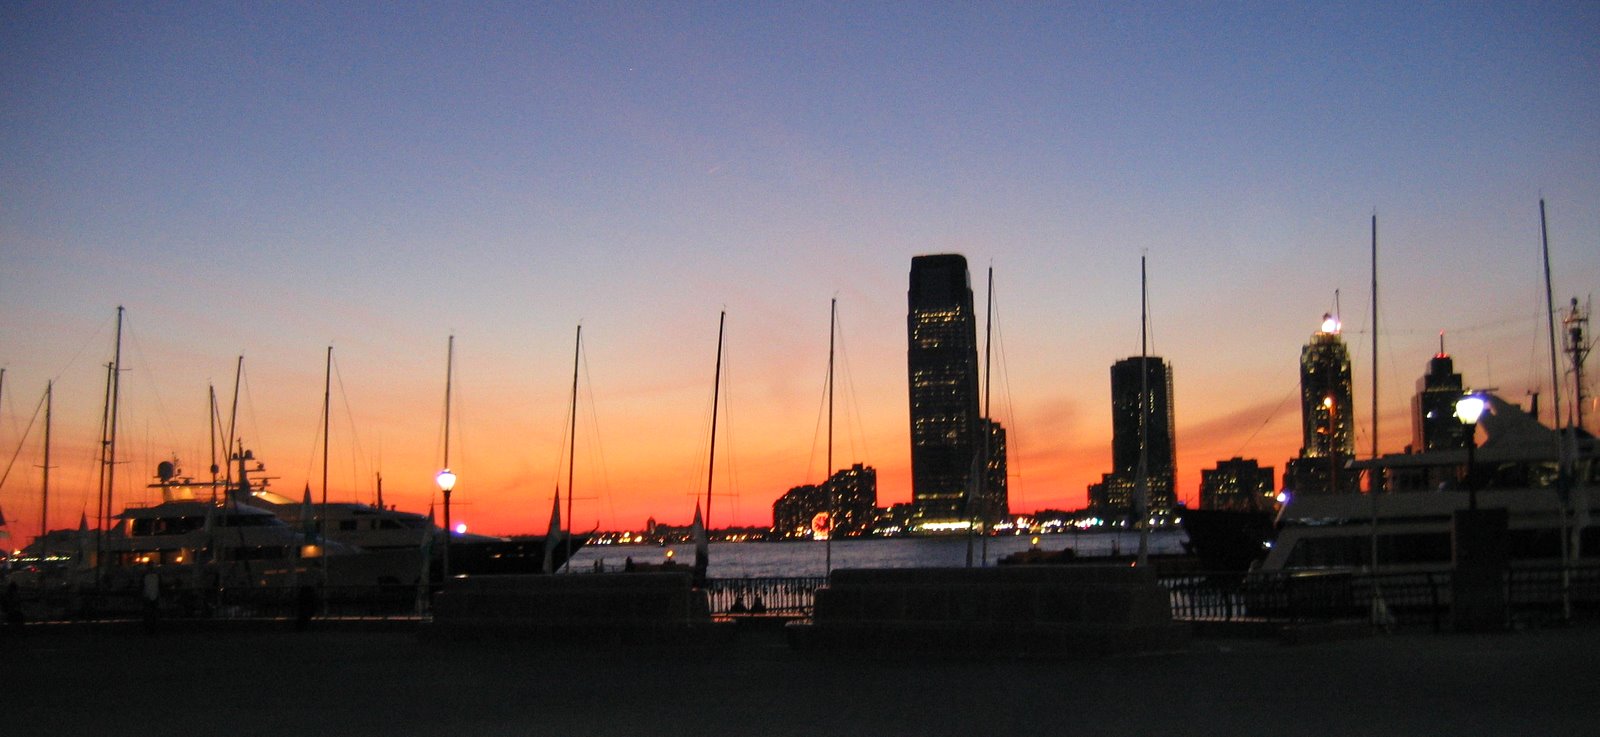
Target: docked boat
<point>1515,469</point>
<point>372,529</point>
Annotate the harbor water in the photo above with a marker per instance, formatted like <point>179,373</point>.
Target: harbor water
<point>810,558</point>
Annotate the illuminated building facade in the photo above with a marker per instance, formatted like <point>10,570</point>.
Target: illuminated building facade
<point>1238,484</point>
<point>996,503</point>
<point>851,492</point>
<point>942,366</point>
<point>1117,490</point>
<point>1433,420</point>
<point>1327,417</point>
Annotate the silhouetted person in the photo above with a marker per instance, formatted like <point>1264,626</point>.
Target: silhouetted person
<point>738,606</point>
<point>758,606</point>
<point>627,565</point>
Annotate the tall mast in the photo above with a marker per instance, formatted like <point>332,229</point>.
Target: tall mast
<point>572,436</point>
<point>984,499</point>
<point>1141,483</point>
<point>111,442</point>
<point>449,376</point>
<point>1375,483</point>
<point>211,424</point>
<point>101,520</point>
<point>327,403</point>
<point>44,502</point>
<point>1570,539</point>
<point>716,393</point>
<point>827,474</point>
<point>1550,312</point>
<point>233,412</point>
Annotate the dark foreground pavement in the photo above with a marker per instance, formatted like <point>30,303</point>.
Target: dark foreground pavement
<point>103,682</point>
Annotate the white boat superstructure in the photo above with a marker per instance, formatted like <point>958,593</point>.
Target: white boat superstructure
<point>1515,469</point>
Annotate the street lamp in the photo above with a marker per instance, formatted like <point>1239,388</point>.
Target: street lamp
<point>447,483</point>
<point>1468,409</point>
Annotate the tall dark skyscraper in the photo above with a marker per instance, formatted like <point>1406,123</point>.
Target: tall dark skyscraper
<point>1433,419</point>
<point>942,363</point>
<point>1327,416</point>
<point>1160,455</point>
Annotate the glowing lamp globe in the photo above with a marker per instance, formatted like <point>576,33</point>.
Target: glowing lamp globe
<point>1470,408</point>
<point>446,480</point>
<point>1330,324</point>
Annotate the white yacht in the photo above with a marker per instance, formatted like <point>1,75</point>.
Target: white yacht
<point>1514,469</point>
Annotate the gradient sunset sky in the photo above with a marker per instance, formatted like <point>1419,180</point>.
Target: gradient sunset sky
<point>269,179</point>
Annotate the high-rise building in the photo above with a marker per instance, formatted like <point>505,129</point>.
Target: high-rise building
<point>849,497</point>
<point>1327,417</point>
<point>996,502</point>
<point>1148,377</point>
<point>1237,484</point>
<point>1433,420</point>
<point>942,364</point>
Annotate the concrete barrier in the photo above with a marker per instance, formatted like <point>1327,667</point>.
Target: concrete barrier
<point>1012,610</point>
<point>609,606</point>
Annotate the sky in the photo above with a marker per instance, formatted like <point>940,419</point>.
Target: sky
<point>269,180</point>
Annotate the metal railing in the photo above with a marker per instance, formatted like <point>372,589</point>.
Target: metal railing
<point>1406,598</point>
<point>792,596</point>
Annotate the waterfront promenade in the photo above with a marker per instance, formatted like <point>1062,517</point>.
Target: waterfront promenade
<point>280,682</point>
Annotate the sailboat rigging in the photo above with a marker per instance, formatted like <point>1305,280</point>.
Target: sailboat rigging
<point>572,449</point>
<point>701,549</point>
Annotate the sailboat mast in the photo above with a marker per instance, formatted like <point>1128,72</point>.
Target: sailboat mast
<point>233,411</point>
<point>1550,312</point>
<point>449,371</point>
<point>1141,486</point>
<point>1570,541</point>
<point>327,404</point>
<point>716,393</point>
<point>211,425</point>
<point>572,435</point>
<point>113,392</point>
<point>984,498</point>
<point>1375,483</point>
<point>827,474</point>
<point>44,501</point>
<point>111,443</point>
<point>101,520</point>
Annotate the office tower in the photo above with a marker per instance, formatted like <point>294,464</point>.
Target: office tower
<point>1327,417</point>
<point>942,363</point>
<point>1238,484</point>
<point>1433,420</point>
<point>1130,377</point>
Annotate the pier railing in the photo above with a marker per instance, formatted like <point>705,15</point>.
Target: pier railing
<point>791,596</point>
<point>1532,595</point>
<point>1420,598</point>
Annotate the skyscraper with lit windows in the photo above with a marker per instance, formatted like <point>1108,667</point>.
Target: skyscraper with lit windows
<point>942,365</point>
<point>1434,423</point>
<point>1150,377</point>
<point>1327,417</point>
